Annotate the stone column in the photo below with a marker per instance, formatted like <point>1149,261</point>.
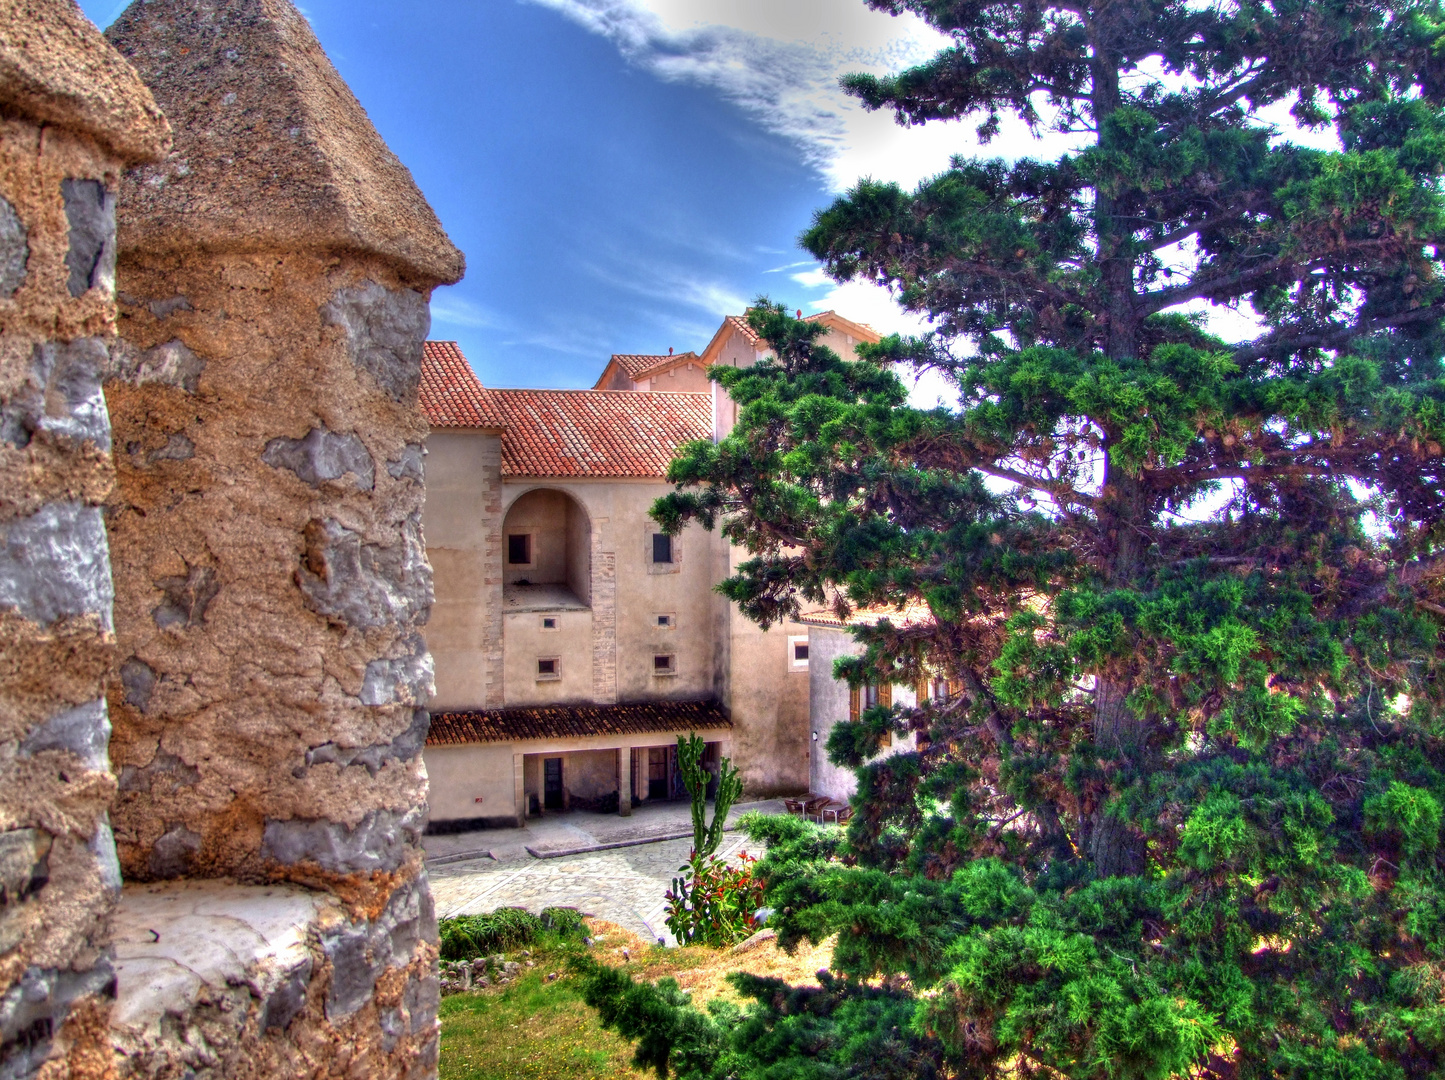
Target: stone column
<point>271,578</point>
<point>624,781</point>
<point>72,113</point>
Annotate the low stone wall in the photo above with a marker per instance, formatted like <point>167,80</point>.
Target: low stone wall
<point>72,114</point>
<point>218,979</point>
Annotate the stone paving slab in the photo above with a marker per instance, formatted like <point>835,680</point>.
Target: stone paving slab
<point>579,830</point>
<point>623,885</point>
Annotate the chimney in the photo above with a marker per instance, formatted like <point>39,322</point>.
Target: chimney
<point>669,350</point>
<point>800,313</point>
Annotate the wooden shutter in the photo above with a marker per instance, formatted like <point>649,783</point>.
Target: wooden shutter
<point>885,695</point>
<point>854,704</point>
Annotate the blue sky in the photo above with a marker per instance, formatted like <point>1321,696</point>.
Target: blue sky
<point>622,173</point>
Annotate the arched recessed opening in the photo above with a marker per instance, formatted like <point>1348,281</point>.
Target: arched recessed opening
<point>546,553</point>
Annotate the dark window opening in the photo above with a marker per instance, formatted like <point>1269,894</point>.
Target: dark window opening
<point>519,549</point>
<point>800,651</point>
<point>664,620</point>
<point>547,667</point>
<point>549,624</point>
<point>662,664</point>
<point>661,548</point>
<point>552,783</point>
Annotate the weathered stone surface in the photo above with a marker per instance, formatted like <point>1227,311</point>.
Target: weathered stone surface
<point>405,680</point>
<point>323,455</point>
<point>70,111</point>
<point>385,329</point>
<point>187,596</point>
<point>90,212</point>
<point>170,363</point>
<point>363,585</point>
<point>60,395</point>
<point>404,747</point>
<point>138,679</point>
<point>174,854</point>
<point>380,842</point>
<point>410,465</point>
<point>83,731</point>
<point>259,982</point>
<point>57,68</point>
<point>54,563</point>
<point>32,1009</point>
<point>14,249</point>
<point>272,150</point>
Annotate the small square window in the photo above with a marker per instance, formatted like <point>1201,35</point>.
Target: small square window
<point>666,622</point>
<point>661,548</point>
<point>549,622</point>
<point>798,653</point>
<point>549,667</point>
<point>519,549</point>
<point>664,664</point>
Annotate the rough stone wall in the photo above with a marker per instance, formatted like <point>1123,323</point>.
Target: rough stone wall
<point>262,982</point>
<point>270,571</point>
<point>71,114</point>
<point>271,683</point>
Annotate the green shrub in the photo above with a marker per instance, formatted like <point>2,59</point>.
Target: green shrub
<point>468,936</point>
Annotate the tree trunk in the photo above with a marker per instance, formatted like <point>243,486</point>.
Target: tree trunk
<point>1116,849</point>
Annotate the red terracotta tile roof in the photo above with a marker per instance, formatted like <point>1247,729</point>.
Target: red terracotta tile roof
<point>450,394</point>
<point>916,613</point>
<point>636,363</point>
<point>665,362</point>
<point>740,324</point>
<point>598,432</point>
<point>574,721</point>
<point>564,432</point>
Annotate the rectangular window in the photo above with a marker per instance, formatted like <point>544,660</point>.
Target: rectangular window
<point>549,622</point>
<point>664,664</point>
<point>666,622</point>
<point>549,667</point>
<point>661,548</point>
<point>519,549</point>
<point>798,653</point>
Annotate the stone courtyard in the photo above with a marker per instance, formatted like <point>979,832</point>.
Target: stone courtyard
<point>622,884</point>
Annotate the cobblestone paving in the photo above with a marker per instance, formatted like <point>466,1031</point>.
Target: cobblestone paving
<point>624,885</point>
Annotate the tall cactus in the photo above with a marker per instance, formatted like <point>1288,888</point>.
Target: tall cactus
<point>705,837</point>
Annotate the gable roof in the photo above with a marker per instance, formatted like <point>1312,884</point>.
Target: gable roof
<point>831,319</point>
<point>638,366</point>
<point>450,393</point>
<point>556,433</point>
<point>573,721</point>
<point>598,432</point>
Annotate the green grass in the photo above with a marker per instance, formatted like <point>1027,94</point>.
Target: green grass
<point>531,1029</point>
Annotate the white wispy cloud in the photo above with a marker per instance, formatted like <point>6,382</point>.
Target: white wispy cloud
<point>449,309</point>
<point>780,60</point>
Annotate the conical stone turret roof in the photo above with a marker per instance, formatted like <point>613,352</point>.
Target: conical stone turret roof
<point>56,68</point>
<point>272,149</point>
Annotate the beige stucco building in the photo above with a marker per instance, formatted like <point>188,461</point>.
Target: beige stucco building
<point>573,641</point>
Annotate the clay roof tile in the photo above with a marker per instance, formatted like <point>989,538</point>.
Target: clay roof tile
<point>574,721</point>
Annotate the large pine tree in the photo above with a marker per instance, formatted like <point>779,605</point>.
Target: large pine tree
<point>1183,810</point>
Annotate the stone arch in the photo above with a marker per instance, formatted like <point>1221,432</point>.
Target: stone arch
<point>558,548</point>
